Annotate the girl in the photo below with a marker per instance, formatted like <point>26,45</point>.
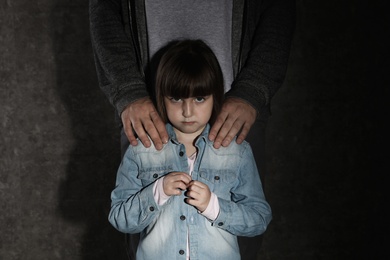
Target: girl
<point>189,200</point>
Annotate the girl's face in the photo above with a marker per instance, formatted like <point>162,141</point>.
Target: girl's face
<point>189,115</point>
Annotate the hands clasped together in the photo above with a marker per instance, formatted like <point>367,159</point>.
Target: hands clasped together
<point>198,194</point>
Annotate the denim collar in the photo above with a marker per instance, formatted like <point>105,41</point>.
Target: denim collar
<point>202,136</point>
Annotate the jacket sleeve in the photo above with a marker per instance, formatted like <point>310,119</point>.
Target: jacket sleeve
<point>247,213</point>
<point>265,51</point>
<point>119,73</point>
<point>133,206</point>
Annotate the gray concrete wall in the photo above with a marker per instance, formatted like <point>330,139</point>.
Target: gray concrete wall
<point>59,147</point>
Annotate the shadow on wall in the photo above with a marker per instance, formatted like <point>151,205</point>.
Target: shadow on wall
<point>90,175</point>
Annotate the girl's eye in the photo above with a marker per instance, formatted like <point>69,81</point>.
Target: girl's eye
<point>174,99</point>
<point>199,99</point>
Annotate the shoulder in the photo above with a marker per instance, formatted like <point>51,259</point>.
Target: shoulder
<point>141,149</point>
<point>232,149</point>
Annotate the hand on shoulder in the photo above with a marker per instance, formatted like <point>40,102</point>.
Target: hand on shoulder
<point>236,115</point>
<point>140,118</point>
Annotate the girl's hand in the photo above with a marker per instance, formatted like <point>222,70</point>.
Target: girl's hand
<point>198,195</point>
<point>176,182</point>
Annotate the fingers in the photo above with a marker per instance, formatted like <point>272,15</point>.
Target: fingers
<point>175,182</point>
<point>141,118</point>
<point>138,126</point>
<point>236,115</point>
<point>157,130</point>
<point>198,195</point>
<point>228,131</point>
<point>147,129</point>
<point>220,120</point>
<point>243,134</point>
<point>129,133</point>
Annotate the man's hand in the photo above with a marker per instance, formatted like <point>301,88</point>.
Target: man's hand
<point>235,115</point>
<point>142,117</point>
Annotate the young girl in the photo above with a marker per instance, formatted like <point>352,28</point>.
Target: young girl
<point>189,200</point>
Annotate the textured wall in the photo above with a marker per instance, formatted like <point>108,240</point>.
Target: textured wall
<point>59,145</point>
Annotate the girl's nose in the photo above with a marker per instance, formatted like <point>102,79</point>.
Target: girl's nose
<point>187,108</point>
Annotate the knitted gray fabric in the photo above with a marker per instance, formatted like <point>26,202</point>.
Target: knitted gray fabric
<point>209,20</point>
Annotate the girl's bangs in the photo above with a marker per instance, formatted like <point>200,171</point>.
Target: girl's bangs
<point>190,82</point>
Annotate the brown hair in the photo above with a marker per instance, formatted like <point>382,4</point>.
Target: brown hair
<point>189,68</point>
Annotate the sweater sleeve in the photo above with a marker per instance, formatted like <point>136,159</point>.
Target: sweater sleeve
<point>158,192</point>
<point>118,70</point>
<point>265,51</point>
<point>212,209</point>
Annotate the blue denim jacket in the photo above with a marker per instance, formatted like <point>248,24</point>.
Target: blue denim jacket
<point>230,172</point>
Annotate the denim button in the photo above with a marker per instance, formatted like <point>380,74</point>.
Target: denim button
<point>181,252</point>
<point>182,217</point>
<point>151,208</point>
<point>216,178</point>
<point>220,224</point>
<point>155,175</point>
<point>181,153</point>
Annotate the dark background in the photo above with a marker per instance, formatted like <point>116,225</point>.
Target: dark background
<point>326,142</point>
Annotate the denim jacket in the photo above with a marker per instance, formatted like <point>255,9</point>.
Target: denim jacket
<point>230,172</point>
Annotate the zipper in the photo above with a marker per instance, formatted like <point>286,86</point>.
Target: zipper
<point>134,34</point>
<point>243,31</point>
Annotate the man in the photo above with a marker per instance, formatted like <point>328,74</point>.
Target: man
<point>251,39</point>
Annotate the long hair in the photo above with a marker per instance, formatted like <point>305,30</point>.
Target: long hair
<point>189,68</point>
